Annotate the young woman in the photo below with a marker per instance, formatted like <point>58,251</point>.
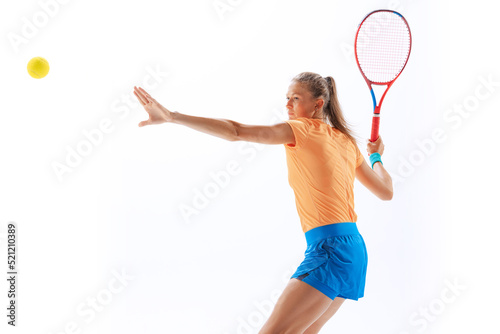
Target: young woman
<point>323,159</point>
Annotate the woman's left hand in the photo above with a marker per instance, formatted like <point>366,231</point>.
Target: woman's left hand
<point>158,114</point>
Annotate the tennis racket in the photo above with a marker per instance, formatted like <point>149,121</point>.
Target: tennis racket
<point>382,48</point>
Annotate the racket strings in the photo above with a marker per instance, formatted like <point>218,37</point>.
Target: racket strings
<point>383,46</point>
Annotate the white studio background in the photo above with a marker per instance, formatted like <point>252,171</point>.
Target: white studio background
<point>121,240</point>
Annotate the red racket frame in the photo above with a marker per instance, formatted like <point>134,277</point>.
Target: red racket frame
<point>376,108</point>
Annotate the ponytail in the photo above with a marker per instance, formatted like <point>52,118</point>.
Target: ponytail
<point>333,112</point>
<point>325,88</point>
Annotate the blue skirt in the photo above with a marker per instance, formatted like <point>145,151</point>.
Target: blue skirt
<point>335,261</point>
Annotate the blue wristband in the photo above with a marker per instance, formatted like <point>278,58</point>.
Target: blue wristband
<point>374,157</point>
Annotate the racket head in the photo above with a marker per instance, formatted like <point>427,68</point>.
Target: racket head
<point>382,46</point>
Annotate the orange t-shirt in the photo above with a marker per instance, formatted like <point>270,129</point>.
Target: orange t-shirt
<point>321,171</point>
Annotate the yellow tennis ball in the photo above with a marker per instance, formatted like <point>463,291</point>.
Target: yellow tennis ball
<point>38,67</point>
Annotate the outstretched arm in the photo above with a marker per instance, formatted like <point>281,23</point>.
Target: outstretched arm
<point>158,114</point>
<point>222,128</point>
<point>280,133</point>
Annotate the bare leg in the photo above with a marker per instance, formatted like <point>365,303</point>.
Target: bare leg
<point>318,324</point>
<point>298,307</point>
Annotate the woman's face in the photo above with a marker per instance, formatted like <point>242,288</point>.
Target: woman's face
<point>301,104</point>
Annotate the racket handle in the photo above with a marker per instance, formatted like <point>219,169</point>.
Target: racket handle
<point>375,124</point>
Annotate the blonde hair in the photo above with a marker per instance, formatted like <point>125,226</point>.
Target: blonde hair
<point>325,88</point>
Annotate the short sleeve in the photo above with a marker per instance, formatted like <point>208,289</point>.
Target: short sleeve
<point>300,128</point>
<point>359,157</point>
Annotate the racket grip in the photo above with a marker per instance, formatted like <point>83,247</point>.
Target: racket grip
<point>375,126</point>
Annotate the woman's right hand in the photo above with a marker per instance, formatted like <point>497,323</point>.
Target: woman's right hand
<point>158,114</point>
<point>376,146</point>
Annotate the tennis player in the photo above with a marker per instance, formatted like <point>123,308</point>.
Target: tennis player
<point>323,159</point>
